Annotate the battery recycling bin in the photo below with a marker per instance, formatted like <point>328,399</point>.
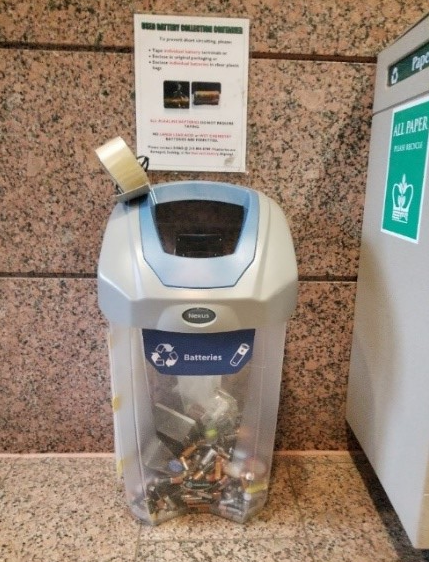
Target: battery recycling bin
<point>197,280</point>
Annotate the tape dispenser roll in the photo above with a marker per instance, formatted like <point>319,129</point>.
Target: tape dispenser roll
<point>123,167</point>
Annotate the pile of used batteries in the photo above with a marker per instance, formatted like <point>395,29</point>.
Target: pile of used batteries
<point>194,464</point>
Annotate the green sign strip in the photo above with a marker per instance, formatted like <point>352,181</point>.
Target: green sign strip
<point>406,170</point>
<point>409,65</point>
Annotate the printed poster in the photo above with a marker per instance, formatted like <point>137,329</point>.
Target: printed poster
<point>406,170</point>
<point>191,92</point>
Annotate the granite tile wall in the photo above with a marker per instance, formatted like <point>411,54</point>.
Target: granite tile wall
<point>67,86</point>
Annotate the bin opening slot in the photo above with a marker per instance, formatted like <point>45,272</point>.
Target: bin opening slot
<point>199,228</point>
<point>199,245</point>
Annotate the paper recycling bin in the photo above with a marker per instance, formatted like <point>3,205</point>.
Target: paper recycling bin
<point>388,387</point>
<point>197,280</point>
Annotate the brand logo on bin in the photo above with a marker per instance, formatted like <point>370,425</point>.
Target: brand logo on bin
<point>199,315</point>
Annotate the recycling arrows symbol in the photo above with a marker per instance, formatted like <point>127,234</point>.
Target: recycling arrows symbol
<point>394,76</point>
<point>164,355</point>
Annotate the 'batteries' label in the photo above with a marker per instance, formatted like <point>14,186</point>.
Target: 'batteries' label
<point>221,353</point>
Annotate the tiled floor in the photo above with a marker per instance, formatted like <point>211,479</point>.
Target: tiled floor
<point>322,507</point>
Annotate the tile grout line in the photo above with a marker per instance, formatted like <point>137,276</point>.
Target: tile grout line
<point>129,49</point>
<point>42,275</point>
<point>301,514</point>
<point>111,455</point>
<point>56,456</point>
<point>137,549</point>
<point>17,276</point>
<point>6,475</point>
<point>316,453</point>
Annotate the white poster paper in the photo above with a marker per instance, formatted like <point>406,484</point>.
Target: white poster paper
<point>191,92</point>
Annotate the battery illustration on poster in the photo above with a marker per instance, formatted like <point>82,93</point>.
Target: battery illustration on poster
<point>191,92</point>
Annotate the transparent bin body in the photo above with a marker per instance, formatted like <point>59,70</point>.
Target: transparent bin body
<point>195,443</point>
<point>197,280</point>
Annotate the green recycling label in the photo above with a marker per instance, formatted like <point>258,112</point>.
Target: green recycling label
<point>406,170</point>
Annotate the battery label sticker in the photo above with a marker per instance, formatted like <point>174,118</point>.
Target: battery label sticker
<point>221,353</point>
<point>406,171</point>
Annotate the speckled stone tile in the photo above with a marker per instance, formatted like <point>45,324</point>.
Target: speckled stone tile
<point>323,456</point>
<point>65,509</point>
<point>224,550</point>
<point>334,27</point>
<point>347,516</point>
<point>55,376</point>
<point>308,138</point>
<point>314,386</point>
<point>72,508</point>
<point>55,200</point>
<point>308,145</point>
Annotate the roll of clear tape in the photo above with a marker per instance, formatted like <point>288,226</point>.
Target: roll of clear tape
<point>123,167</point>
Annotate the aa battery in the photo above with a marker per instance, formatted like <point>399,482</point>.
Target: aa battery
<point>209,478</point>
